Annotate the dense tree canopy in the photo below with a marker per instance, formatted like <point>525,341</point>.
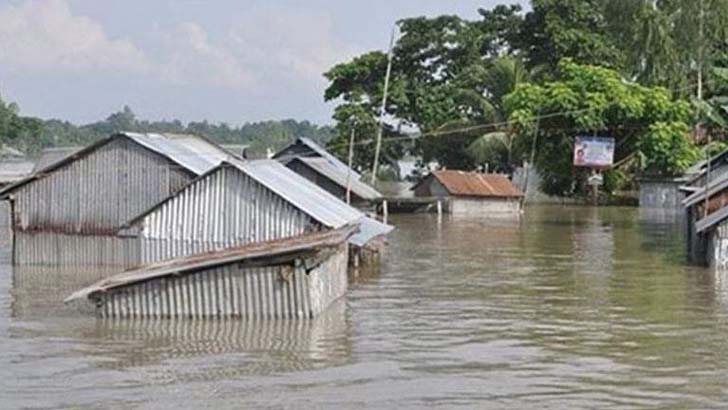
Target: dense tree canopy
<point>469,89</point>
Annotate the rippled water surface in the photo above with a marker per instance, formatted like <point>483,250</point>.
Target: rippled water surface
<point>564,308</point>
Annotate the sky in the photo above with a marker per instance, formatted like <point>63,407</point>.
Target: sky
<point>231,61</point>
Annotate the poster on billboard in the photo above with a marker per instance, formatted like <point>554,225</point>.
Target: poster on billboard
<point>593,152</point>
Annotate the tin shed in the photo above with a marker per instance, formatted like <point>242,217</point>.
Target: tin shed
<point>70,211</point>
<point>238,203</point>
<point>471,193</point>
<point>294,278</point>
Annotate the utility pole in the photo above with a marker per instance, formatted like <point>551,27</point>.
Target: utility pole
<point>698,125</point>
<point>351,159</point>
<point>383,108</point>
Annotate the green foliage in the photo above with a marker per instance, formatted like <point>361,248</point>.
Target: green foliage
<point>32,134</point>
<point>667,149</point>
<point>591,100</point>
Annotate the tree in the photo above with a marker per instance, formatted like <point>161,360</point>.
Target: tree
<point>576,29</point>
<point>646,122</point>
<point>439,82</point>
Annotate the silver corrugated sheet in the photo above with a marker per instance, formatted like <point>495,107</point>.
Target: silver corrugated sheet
<point>340,177</point>
<point>233,291</point>
<point>243,203</point>
<point>193,152</point>
<point>224,209</point>
<point>99,192</point>
<point>60,250</point>
<point>306,147</point>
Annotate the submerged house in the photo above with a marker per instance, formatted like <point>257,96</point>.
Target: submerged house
<point>243,202</point>
<point>471,193</point>
<point>707,223</point>
<point>246,239</point>
<point>69,212</point>
<point>293,278</point>
<point>313,162</point>
<point>670,192</point>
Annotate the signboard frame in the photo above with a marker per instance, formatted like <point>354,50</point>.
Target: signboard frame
<point>593,152</point>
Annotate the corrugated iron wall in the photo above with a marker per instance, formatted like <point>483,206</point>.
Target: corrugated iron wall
<point>59,250</point>
<point>224,209</point>
<point>100,192</point>
<point>232,291</point>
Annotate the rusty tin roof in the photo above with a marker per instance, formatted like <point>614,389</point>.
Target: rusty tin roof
<point>463,183</point>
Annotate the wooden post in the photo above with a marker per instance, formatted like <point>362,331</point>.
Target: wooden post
<point>380,129</point>
<point>439,208</point>
<point>385,211</point>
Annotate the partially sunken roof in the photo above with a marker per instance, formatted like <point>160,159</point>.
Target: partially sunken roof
<point>341,178</point>
<point>461,183</point>
<point>194,153</point>
<point>257,251</point>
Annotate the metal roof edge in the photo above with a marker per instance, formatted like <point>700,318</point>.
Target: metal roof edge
<point>247,252</point>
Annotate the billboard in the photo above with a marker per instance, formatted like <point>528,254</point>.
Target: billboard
<point>593,152</point>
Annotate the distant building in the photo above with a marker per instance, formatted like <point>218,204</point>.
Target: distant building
<point>707,224</point>
<point>69,212</point>
<point>311,161</point>
<point>471,193</point>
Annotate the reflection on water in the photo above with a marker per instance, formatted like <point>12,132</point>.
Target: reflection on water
<point>561,308</point>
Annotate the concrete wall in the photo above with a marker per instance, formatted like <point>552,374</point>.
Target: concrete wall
<point>533,192</point>
<point>662,194</point>
<point>483,207</point>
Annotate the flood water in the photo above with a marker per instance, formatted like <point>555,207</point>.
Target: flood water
<point>564,308</point>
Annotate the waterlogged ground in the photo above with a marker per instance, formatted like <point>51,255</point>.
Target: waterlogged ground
<point>564,308</point>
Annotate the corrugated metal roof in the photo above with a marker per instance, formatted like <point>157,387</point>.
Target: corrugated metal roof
<point>190,151</point>
<point>327,155</point>
<point>339,176</point>
<point>13,171</point>
<point>462,183</point>
<point>314,150</point>
<point>301,192</point>
<point>369,229</point>
<point>254,251</point>
<point>312,199</point>
<point>50,156</point>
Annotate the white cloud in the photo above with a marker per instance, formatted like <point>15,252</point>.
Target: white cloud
<point>188,56</point>
<point>46,35</point>
<point>297,44</point>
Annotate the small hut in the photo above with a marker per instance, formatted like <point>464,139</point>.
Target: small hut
<point>471,193</point>
<point>293,278</point>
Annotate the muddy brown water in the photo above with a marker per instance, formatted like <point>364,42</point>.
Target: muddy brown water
<point>562,308</point>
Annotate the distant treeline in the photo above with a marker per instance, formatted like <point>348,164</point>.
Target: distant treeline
<point>33,134</point>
